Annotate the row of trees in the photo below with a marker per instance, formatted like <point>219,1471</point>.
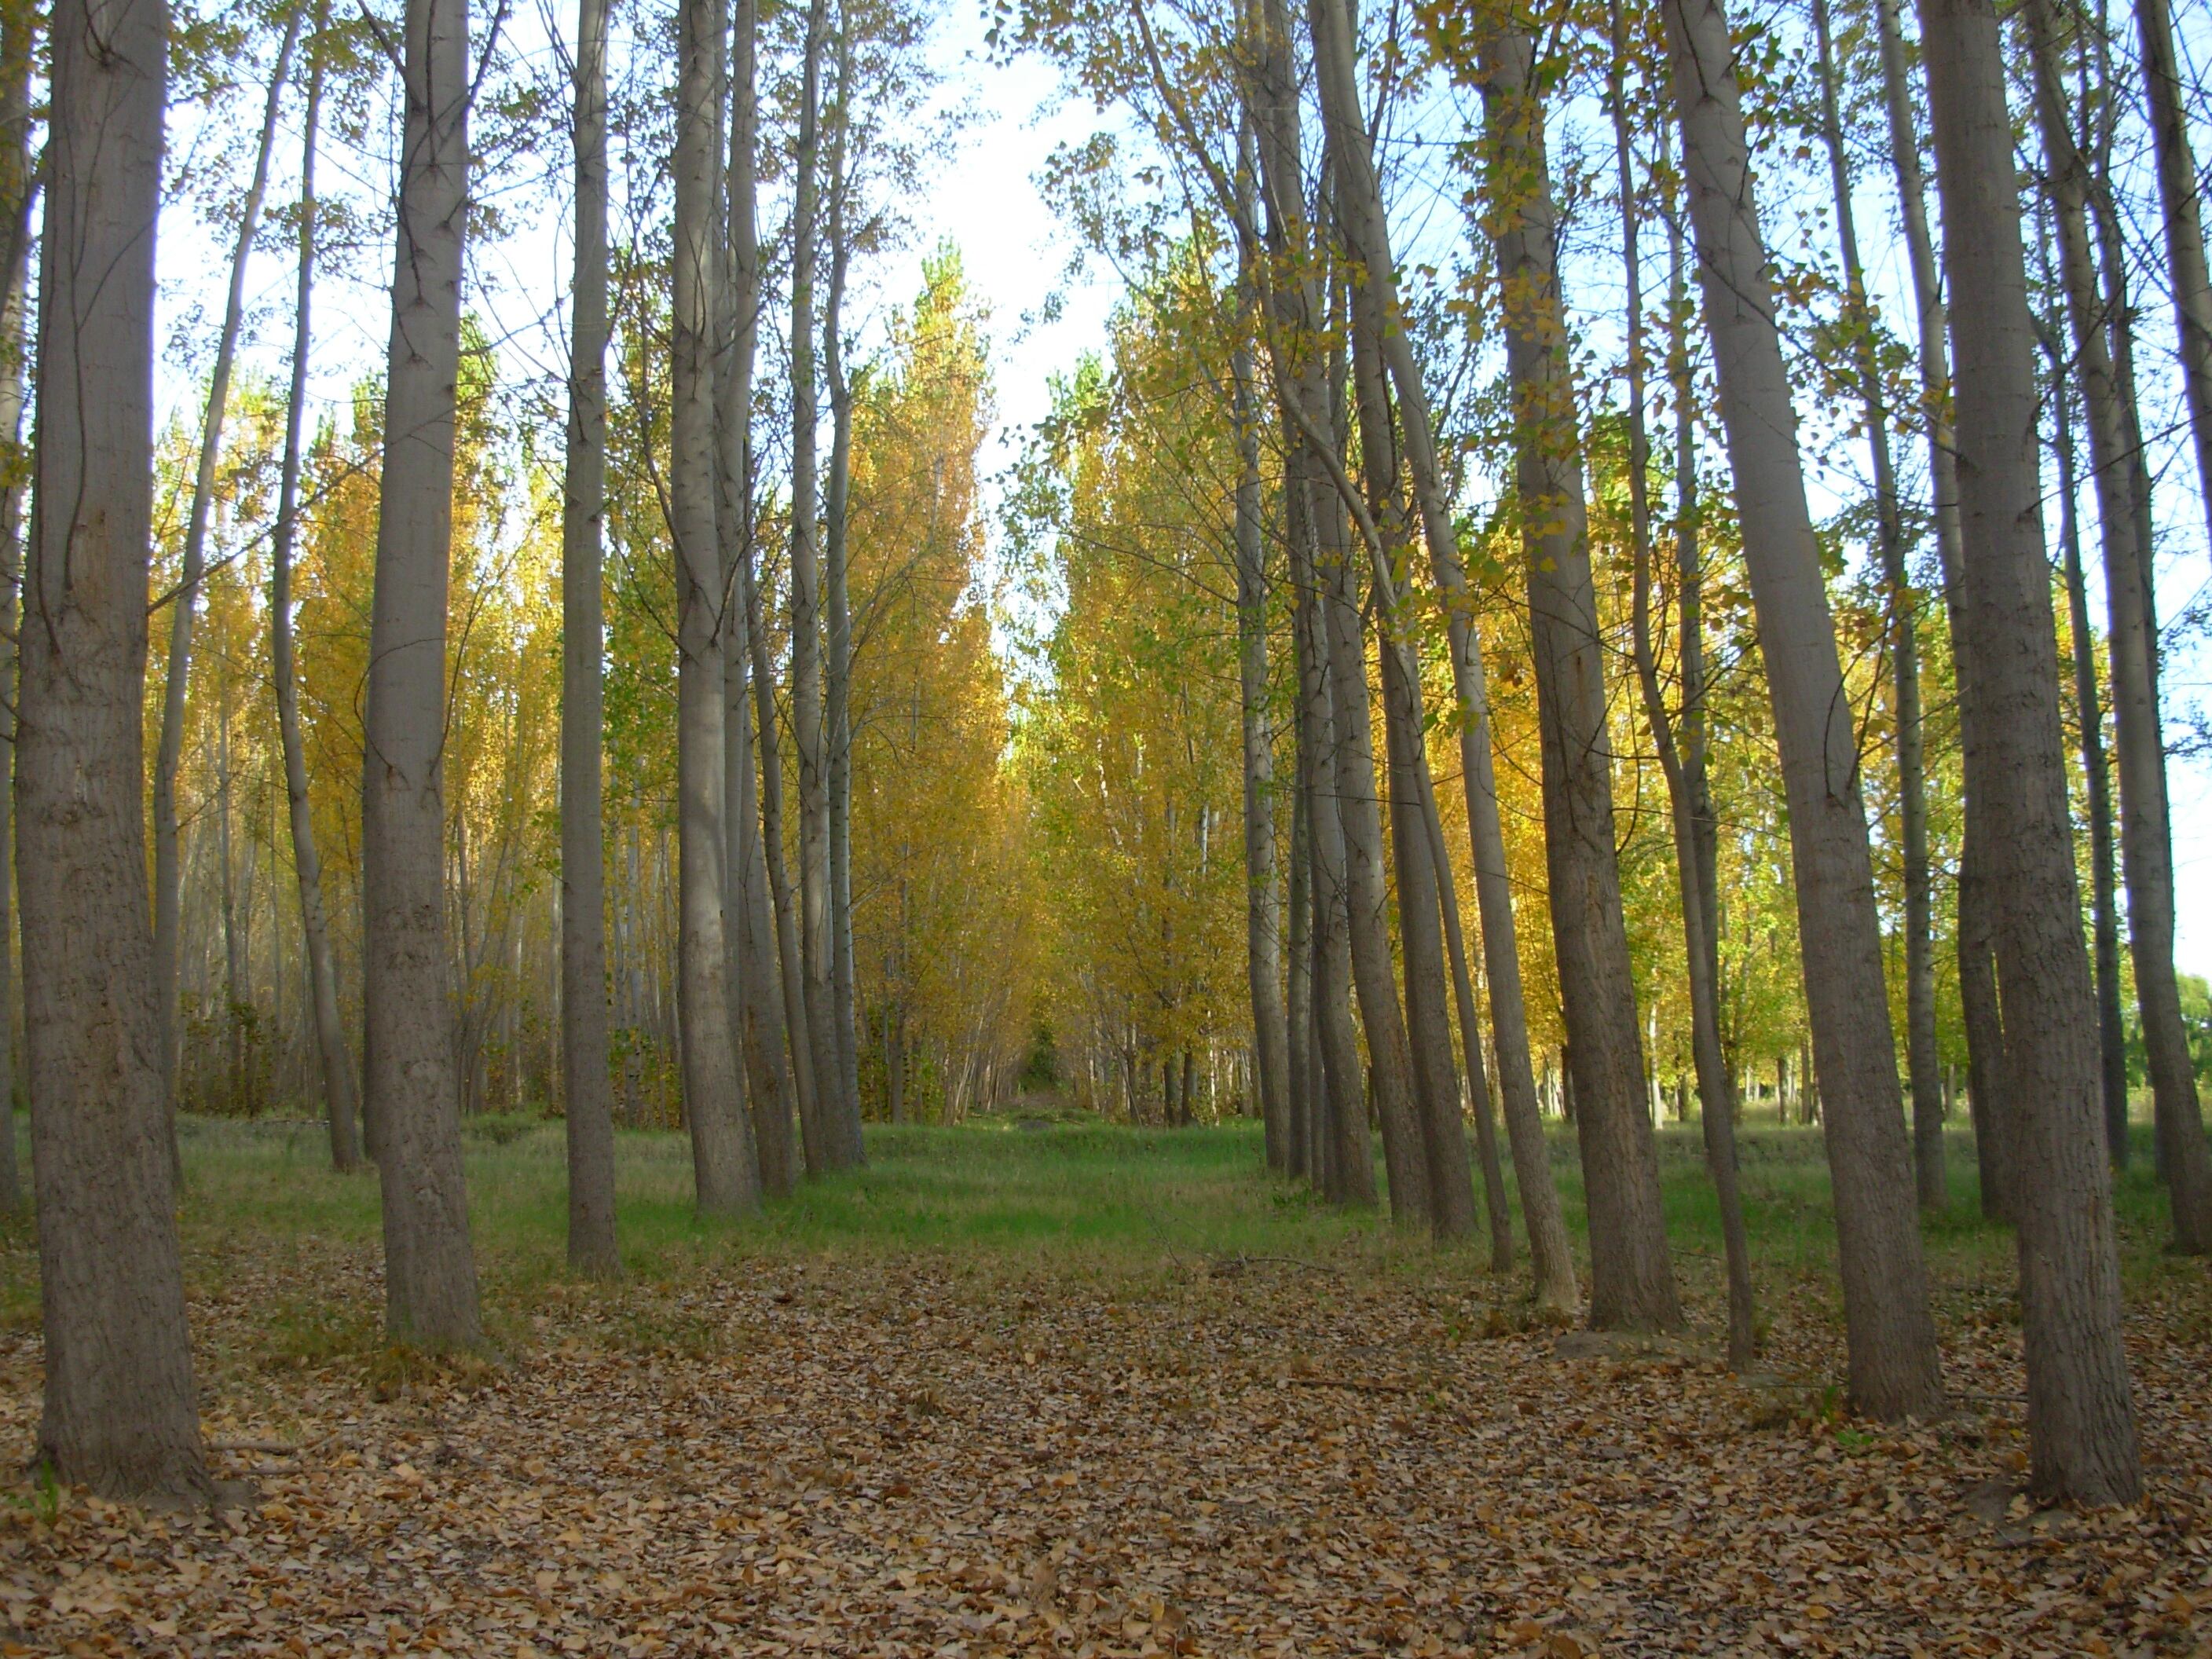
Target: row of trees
<point>463,676</point>
<point>1278,458</point>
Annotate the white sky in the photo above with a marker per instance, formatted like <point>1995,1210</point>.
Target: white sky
<point>1016,253</point>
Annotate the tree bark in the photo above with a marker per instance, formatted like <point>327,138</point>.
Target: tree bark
<point>167,874</point>
<point>2081,1417</point>
<point>724,1171</point>
<point>586,1087</point>
<point>757,1001</point>
<point>120,1414</point>
<point>1977,980</point>
<point>2183,213</point>
<point>2146,842</point>
<point>1903,631</point>
<point>1716,1089</point>
<point>1894,1367</point>
<point>412,1089</point>
<point>1363,224</point>
<point>1632,1270</point>
<point>17,187</point>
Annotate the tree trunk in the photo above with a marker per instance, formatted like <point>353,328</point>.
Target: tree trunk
<point>806,713</point>
<point>1903,631</point>
<point>1716,1092</point>
<point>167,888</point>
<point>1300,1093</point>
<point>1632,1271</point>
<point>1263,965</point>
<point>724,1171</point>
<point>120,1414</point>
<point>587,1092</point>
<point>1894,1366</point>
<point>756,994</point>
<point>2096,770</point>
<point>2178,192</point>
<point>2146,842</point>
<point>837,736</point>
<point>2080,1418</point>
<point>17,187</point>
<point>1364,225</point>
<point>413,1091</point>
<point>1977,981</point>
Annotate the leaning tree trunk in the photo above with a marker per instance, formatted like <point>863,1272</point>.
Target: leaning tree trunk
<point>340,1094</point>
<point>167,877</point>
<point>16,189</point>
<point>2179,198</point>
<point>756,1002</point>
<point>588,1090</point>
<point>724,1171</point>
<point>1923,1066</point>
<point>2146,842</point>
<point>1715,1093</point>
<point>120,1414</point>
<point>1976,983</point>
<point>1366,227</point>
<point>1631,1272</point>
<point>2081,1417</point>
<point>413,1095</point>
<point>1895,1370</point>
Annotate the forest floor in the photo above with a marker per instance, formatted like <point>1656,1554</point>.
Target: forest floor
<point>1083,1391</point>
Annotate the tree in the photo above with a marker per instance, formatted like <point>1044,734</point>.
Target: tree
<point>340,1095</point>
<point>587,1091</point>
<point>120,1413</point>
<point>17,187</point>
<point>724,1170</point>
<point>1894,1366</point>
<point>2081,1427</point>
<point>413,1092</point>
<point>167,878</point>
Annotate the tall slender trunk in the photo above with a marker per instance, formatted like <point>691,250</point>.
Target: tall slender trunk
<point>757,999</point>
<point>1903,632</point>
<point>724,1170</point>
<point>1715,1093</point>
<point>837,734</point>
<point>119,1413</point>
<point>234,1027</point>
<point>1632,1270</point>
<point>1339,1159</point>
<point>1365,226</point>
<point>2179,193</point>
<point>1978,1001</point>
<point>16,189</point>
<point>2081,1416</point>
<point>1301,1091</point>
<point>2096,769</point>
<point>806,689</point>
<point>1895,1370</point>
<point>412,1089</point>
<point>2146,843</point>
<point>586,1087</point>
<point>167,875</point>
<point>1263,963</point>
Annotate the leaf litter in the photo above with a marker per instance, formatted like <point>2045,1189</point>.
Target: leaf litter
<point>910,1456</point>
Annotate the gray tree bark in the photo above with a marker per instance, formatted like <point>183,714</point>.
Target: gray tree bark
<point>412,1092</point>
<point>756,1000</point>
<point>2146,843</point>
<point>1923,1066</point>
<point>588,1090</point>
<point>724,1171</point>
<point>119,1414</point>
<point>1894,1368</point>
<point>1632,1270</point>
<point>2183,213</point>
<point>168,912</point>
<point>2081,1417</point>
